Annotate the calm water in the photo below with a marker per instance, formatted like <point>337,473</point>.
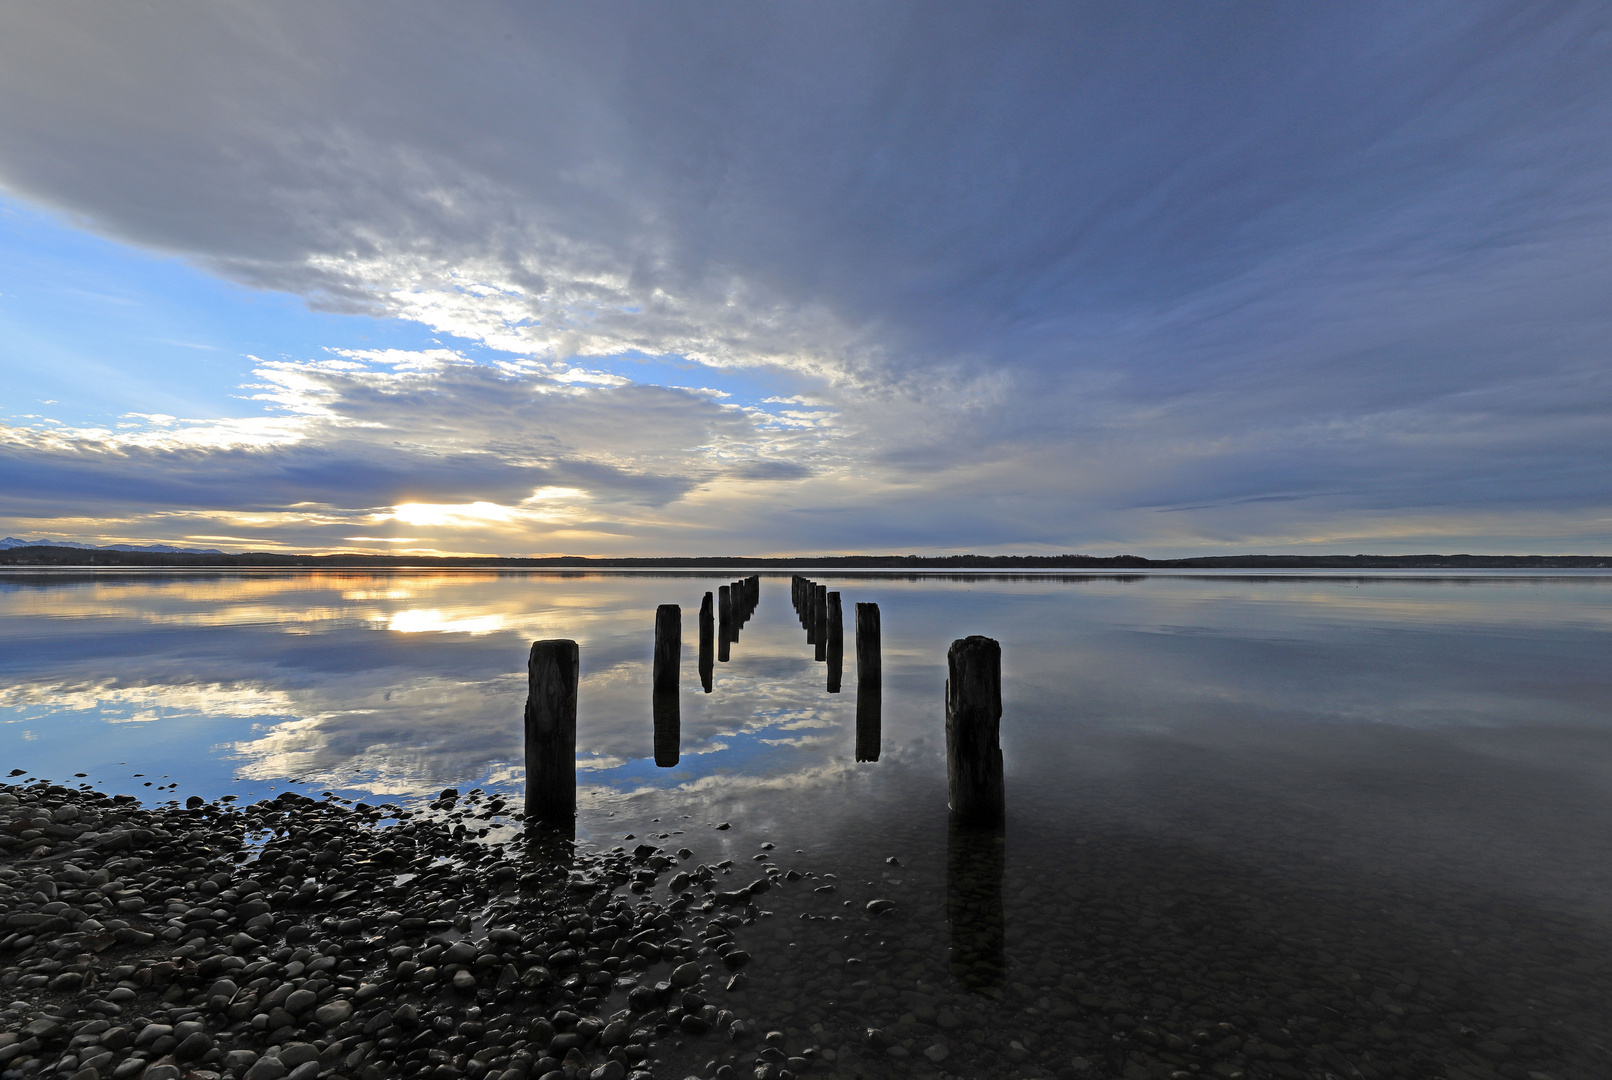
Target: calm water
<point>1363,823</point>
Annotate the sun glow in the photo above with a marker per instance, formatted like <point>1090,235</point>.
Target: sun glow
<point>430,621</point>
<point>449,514</point>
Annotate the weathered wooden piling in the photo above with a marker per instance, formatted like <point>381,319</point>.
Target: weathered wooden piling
<point>724,623</point>
<point>668,647</point>
<point>869,684</point>
<point>836,642</point>
<point>820,620</point>
<point>748,592</point>
<point>551,731</point>
<point>868,663</point>
<point>707,643</point>
<point>973,718</point>
<point>668,729</point>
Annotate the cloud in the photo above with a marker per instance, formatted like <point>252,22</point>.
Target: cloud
<point>415,439</point>
<point>1084,277</point>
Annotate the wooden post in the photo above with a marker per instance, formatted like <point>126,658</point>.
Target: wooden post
<point>668,647</point>
<point>808,616</point>
<point>551,731</point>
<point>707,642</point>
<point>836,642</point>
<point>820,620</point>
<point>973,718</point>
<point>868,663</point>
<point>724,623</point>
<point>869,684</point>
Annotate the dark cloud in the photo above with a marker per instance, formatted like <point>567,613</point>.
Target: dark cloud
<point>1072,262</point>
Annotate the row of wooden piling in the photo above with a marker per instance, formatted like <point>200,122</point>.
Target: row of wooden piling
<point>974,777</point>
<point>973,697</point>
<point>721,621</point>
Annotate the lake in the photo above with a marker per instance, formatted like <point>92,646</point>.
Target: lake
<point>1282,825</point>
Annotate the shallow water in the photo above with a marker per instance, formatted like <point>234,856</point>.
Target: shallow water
<point>1361,821</point>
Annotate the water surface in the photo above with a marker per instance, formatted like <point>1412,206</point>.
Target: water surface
<point>1360,821</point>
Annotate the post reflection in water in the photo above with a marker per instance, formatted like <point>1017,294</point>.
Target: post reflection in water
<point>869,683</point>
<point>974,861</point>
<point>668,729</point>
<point>549,847</point>
<point>869,718</point>
<point>548,851</point>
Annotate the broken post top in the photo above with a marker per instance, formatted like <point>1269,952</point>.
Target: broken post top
<point>559,654</point>
<point>974,676</point>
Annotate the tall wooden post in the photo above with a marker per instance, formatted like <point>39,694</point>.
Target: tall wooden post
<point>668,647</point>
<point>820,620</point>
<point>869,684</point>
<point>551,731</point>
<point>724,622</point>
<point>868,663</point>
<point>707,643</point>
<point>973,718</point>
<point>836,642</point>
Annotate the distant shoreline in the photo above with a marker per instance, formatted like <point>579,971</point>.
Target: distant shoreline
<point>81,558</point>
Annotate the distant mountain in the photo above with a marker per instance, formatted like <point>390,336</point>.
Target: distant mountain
<point>12,542</point>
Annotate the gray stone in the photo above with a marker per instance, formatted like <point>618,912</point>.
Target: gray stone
<point>266,1068</point>
<point>294,1054</point>
<point>193,1046</point>
<point>300,1001</point>
<point>151,1033</point>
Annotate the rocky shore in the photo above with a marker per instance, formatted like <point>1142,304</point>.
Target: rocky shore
<point>319,939</point>
<point>316,939</point>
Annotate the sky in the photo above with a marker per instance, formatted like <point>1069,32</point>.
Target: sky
<point>756,279</point>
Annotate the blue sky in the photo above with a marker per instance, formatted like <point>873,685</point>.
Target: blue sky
<point>704,279</point>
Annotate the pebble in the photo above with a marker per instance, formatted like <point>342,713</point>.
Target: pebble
<point>303,959</point>
<point>275,942</point>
